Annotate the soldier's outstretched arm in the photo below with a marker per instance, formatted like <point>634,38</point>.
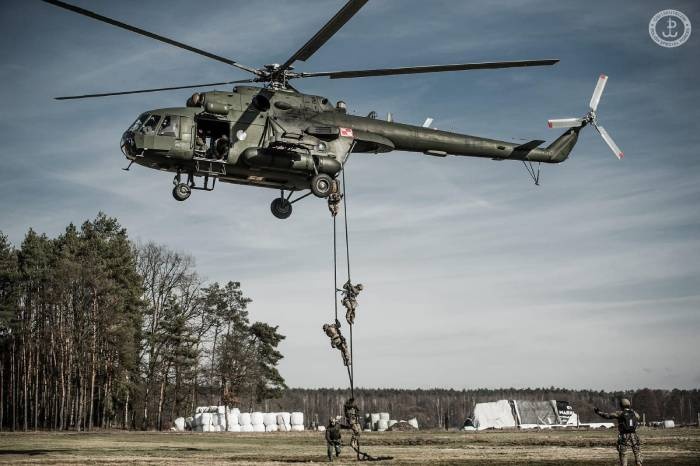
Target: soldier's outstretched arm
<point>613,415</point>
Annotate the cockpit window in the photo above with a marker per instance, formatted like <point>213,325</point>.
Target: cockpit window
<point>135,126</point>
<point>169,126</point>
<point>149,127</point>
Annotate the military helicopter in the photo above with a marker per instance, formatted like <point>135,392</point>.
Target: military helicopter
<point>277,137</point>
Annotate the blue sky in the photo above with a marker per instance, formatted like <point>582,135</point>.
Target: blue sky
<point>473,276</point>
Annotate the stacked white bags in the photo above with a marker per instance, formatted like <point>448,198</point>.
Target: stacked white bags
<point>223,419</point>
<point>256,418</point>
<point>297,420</point>
<point>413,422</point>
<point>284,422</point>
<point>232,424</point>
<point>373,420</point>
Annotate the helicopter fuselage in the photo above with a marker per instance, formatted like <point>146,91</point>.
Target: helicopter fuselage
<point>281,139</point>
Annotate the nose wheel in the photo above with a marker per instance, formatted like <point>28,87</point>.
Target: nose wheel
<point>281,208</point>
<point>181,192</point>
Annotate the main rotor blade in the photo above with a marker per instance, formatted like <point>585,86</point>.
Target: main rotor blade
<point>326,32</point>
<point>143,91</point>
<point>428,69</point>
<point>143,32</point>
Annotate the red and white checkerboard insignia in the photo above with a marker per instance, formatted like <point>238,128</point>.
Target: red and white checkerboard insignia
<point>346,132</point>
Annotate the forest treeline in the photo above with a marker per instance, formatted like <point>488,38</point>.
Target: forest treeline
<point>439,408</point>
<point>98,332</point>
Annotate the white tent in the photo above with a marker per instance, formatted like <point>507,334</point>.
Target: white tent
<point>493,415</point>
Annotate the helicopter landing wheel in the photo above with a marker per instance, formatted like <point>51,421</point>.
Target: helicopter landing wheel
<point>281,208</point>
<point>322,185</point>
<point>181,192</point>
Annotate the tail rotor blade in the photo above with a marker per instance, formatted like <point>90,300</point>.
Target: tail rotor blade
<point>565,123</point>
<point>609,141</point>
<point>597,92</point>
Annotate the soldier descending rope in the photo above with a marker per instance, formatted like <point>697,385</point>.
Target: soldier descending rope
<point>338,341</point>
<point>350,293</point>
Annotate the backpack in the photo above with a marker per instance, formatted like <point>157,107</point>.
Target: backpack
<point>628,422</point>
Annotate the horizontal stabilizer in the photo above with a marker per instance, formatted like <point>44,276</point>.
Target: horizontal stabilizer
<point>528,146</point>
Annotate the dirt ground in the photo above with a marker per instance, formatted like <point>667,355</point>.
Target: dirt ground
<point>660,447</point>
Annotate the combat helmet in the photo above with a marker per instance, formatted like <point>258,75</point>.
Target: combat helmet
<point>625,403</point>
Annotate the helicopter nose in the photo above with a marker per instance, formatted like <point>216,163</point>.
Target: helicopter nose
<point>128,145</point>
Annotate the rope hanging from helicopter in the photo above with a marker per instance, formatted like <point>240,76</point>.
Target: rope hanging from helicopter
<point>350,291</point>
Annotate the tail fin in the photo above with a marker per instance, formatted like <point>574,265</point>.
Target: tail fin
<point>562,146</point>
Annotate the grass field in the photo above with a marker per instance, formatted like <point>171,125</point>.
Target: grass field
<point>660,447</point>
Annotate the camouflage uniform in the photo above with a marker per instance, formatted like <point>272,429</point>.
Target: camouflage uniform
<point>333,438</point>
<point>625,440</point>
<point>334,203</point>
<point>338,341</point>
<point>349,301</point>
<point>353,423</point>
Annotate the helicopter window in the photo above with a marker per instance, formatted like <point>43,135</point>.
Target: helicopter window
<point>169,126</point>
<point>136,125</point>
<point>151,123</point>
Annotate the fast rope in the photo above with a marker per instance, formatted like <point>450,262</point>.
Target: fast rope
<point>355,442</point>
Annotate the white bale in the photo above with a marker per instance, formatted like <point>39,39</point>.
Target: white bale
<point>235,411</point>
<point>271,428</point>
<point>234,428</point>
<point>413,422</point>
<point>221,409</point>
<point>222,421</point>
<point>256,418</point>
<point>197,419</point>
<point>384,416</point>
<point>392,422</point>
<point>246,428</point>
<point>206,419</point>
<point>669,424</point>
<point>180,424</point>
<point>258,427</point>
<point>269,419</point>
<point>321,428</point>
<point>297,428</point>
<point>206,427</point>
<point>382,425</point>
<point>284,418</point>
<point>244,419</point>
<point>373,420</point>
<point>232,419</point>
<point>297,419</point>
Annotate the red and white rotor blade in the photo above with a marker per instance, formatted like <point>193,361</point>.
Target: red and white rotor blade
<point>565,123</point>
<point>597,92</point>
<point>609,141</point>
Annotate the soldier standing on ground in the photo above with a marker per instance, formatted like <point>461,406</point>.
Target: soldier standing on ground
<point>338,341</point>
<point>333,438</point>
<point>627,421</point>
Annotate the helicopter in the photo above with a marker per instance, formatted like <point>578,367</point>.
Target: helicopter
<point>274,136</point>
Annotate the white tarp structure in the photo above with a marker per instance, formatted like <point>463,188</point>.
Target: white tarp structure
<point>493,415</point>
<point>505,414</point>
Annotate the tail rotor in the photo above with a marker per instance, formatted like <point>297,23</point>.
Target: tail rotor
<point>590,118</point>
